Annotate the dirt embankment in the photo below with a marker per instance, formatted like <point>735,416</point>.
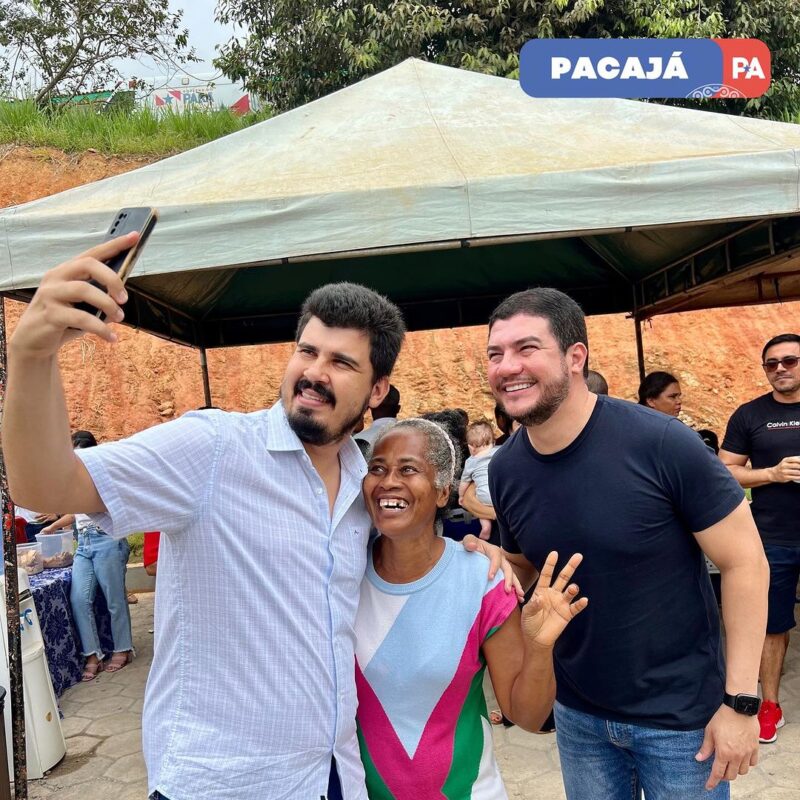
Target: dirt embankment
<point>115,391</point>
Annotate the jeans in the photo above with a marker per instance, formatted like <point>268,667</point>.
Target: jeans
<point>603,760</point>
<point>100,560</point>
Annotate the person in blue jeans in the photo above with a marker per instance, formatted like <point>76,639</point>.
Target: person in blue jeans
<point>99,561</point>
<point>646,698</point>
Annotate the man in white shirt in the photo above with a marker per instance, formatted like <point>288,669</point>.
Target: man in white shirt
<point>266,544</point>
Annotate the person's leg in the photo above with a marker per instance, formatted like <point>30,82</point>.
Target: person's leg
<point>81,597</point>
<point>772,658</point>
<point>665,762</point>
<point>110,572</point>
<point>595,762</point>
<point>784,570</point>
<point>124,553</point>
<point>486,529</point>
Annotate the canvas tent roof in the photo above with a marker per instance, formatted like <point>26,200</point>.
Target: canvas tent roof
<point>446,190</point>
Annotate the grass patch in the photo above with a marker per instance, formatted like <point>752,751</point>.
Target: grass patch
<point>140,133</point>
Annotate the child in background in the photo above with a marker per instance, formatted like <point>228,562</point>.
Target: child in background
<point>480,440</point>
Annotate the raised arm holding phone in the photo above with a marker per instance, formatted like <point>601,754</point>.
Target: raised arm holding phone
<point>35,418</point>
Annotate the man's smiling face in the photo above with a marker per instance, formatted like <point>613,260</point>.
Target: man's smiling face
<point>527,371</point>
<point>328,383</point>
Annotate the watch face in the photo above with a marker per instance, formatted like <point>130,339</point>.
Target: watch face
<point>747,704</point>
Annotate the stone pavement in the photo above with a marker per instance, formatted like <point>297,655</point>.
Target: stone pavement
<point>102,724</point>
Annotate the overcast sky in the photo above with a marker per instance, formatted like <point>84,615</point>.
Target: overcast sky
<point>204,32</point>
<point>204,35</point>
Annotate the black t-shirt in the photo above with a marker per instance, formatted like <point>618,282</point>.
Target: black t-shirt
<point>628,493</point>
<point>767,431</point>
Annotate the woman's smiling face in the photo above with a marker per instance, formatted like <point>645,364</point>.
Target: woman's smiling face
<point>400,486</point>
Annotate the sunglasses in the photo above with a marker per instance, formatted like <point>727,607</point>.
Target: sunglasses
<point>787,362</point>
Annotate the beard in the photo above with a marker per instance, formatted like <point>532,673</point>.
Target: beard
<point>311,431</point>
<point>553,394</point>
<point>787,388</point>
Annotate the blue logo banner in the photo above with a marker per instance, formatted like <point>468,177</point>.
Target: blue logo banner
<point>643,68</point>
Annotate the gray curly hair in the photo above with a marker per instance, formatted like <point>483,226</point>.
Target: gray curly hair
<point>441,453</point>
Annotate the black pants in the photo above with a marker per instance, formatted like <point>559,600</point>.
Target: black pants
<point>334,787</point>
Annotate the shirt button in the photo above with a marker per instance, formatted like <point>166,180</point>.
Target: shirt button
<point>319,491</point>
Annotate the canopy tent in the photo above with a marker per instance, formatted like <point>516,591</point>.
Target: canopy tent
<point>445,190</point>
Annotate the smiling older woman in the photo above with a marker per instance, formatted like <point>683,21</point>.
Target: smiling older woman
<point>428,624</point>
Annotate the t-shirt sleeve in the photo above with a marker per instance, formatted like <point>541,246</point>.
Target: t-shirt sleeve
<point>737,435</point>
<point>156,479</point>
<point>496,607</point>
<point>469,468</point>
<point>701,487</point>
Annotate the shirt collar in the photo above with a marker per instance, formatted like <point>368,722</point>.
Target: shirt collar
<point>281,437</point>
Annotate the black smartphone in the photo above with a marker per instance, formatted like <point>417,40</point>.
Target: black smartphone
<point>127,220</point>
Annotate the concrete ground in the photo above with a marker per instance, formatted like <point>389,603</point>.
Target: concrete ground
<point>102,725</point>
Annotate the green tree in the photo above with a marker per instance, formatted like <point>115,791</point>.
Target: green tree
<point>295,51</point>
<point>73,44</point>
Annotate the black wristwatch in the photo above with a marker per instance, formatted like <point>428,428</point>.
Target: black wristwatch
<point>747,704</point>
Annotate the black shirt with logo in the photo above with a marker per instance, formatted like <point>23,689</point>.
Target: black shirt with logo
<point>767,431</point>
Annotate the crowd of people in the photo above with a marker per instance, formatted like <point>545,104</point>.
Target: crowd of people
<point>595,510</point>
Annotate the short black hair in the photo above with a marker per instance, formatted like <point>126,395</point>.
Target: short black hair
<point>784,337</point>
<point>83,439</point>
<point>504,422</point>
<point>350,305</point>
<point>392,399</point>
<point>565,317</point>
<point>596,382</point>
<point>710,438</point>
<point>653,385</point>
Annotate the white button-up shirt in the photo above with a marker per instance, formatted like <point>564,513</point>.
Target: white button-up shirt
<point>252,687</point>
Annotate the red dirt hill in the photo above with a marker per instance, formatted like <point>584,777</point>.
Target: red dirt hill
<point>143,380</point>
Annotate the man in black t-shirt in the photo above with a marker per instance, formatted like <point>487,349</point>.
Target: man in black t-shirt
<point>766,432</point>
<point>643,695</point>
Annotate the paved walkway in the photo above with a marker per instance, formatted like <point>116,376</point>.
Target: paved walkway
<point>104,762</point>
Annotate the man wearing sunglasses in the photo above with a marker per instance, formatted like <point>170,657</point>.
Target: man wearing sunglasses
<point>766,432</point>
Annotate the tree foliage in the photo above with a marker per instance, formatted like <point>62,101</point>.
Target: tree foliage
<point>295,51</point>
<point>71,45</point>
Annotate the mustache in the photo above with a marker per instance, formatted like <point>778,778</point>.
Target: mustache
<point>323,391</point>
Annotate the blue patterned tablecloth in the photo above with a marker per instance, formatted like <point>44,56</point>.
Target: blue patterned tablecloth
<point>50,590</point>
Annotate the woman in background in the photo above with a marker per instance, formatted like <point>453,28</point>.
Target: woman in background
<point>662,392</point>
<point>98,561</point>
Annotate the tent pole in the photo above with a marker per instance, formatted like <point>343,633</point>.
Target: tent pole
<point>206,383</point>
<point>639,347</point>
<point>12,602</point>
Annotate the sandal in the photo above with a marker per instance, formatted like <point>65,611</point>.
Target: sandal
<point>132,599</point>
<point>91,671</point>
<point>118,661</point>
